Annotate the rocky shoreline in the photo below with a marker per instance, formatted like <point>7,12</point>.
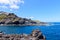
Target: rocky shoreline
<point>25,24</point>
<point>38,24</point>
<point>20,24</point>
<point>7,19</point>
<point>35,35</point>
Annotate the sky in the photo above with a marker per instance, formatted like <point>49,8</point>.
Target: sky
<point>43,10</point>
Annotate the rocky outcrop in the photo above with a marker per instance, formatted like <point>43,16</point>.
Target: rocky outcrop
<point>35,35</point>
<point>38,35</point>
<point>11,18</point>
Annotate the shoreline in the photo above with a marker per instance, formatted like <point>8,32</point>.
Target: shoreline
<point>24,24</point>
<point>35,35</point>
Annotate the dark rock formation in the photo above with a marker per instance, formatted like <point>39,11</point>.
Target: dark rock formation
<point>11,18</point>
<point>36,35</point>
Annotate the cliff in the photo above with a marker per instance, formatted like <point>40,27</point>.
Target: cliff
<point>11,18</point>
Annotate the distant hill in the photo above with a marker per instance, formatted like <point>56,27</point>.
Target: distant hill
<point>11,18</point>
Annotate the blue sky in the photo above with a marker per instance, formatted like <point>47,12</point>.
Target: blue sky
<point>43,10</point>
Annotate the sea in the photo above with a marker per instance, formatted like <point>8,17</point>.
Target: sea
<point>51,32</point>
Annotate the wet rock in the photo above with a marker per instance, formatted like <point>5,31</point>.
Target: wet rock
<point>35,35</point>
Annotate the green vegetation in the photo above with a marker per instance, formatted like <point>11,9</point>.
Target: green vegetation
<point>2,16</point>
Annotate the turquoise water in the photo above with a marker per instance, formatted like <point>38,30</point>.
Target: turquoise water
<point>51,32</point>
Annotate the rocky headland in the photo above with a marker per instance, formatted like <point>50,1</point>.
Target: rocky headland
<point>12,19</point>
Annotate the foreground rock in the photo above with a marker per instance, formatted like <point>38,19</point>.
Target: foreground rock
<point>35,35</point>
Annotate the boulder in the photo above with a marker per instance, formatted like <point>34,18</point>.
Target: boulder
<point>37,34</point>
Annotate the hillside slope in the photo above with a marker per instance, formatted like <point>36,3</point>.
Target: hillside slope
<point>11,18</point>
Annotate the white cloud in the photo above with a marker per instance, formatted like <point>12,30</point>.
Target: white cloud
<point>3,7</point>
<point>14,7</point>
<point>4,1</point>
<point>31,17</point>
<point>12,4</point>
